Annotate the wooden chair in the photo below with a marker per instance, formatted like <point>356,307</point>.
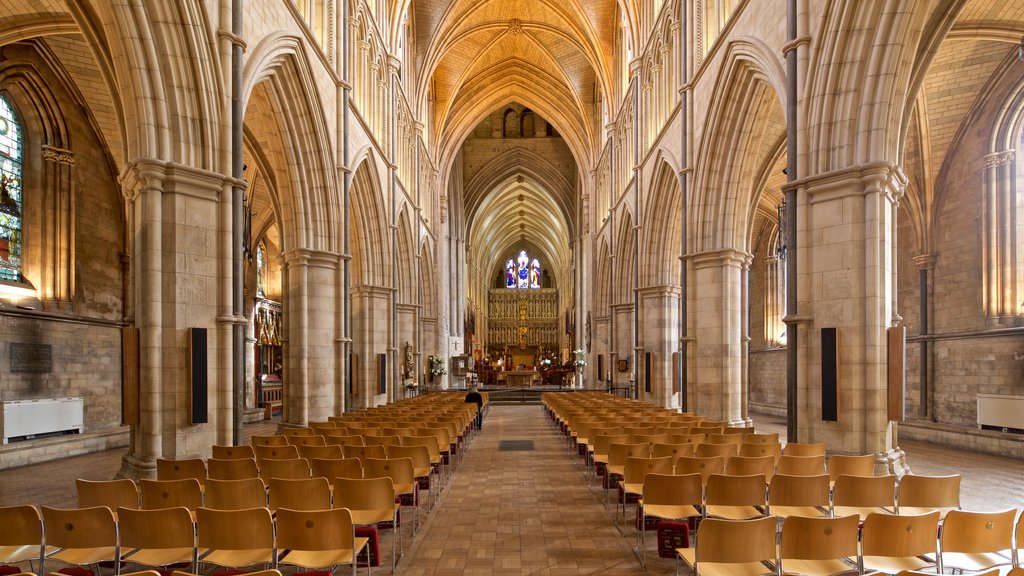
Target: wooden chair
<point>975,541</point>
<point>302,431</point>
<point>890,543</point>
<point>734,438</point>
<point>361,452</point>
<point>633,475</point>
<point>278,440</point>
<point>808,449</point>
<point>343,439</point>
<point>233,452</point>
<point>433,448</point>
<point>806,496</point>
<point>765,438</point>
<point>327,452</point>
<point>286,452</point>
<point>299,494</point>
<point>750,465</point>
<point>703,466</point>
<point>289,468</point>
<point>919,494</point>
<point>235,469</point>
<point>735,497</point>
<point>371,501</point>
<point>688,438</point>
<point>336,468</point>
<point>82,536</point>
<point>236,538</point>
<point>673,450</point>
<point>726,450</point>
<point>21,535</point>
<point>857,465</point>
<point>820,546</point>
<point>309,440</point>
<point>994,572</point>
<point>320,539</point>
<point>238,494</point>
<point>420,457</point>
<point>863,495</point>
<point>403,480</point>
<point>617,456</point>
<point>800,465</point>
<point>745,430</point>
<point>1019,539</point>
<point>385,441</point>
<point>716,552</point>
<point>669,497</point>
<point>599,455</point>
<point>157,538</point>
<point>758,450</point>
<point>113,494</point>
<point>181,469</point>
<point>158,494</point>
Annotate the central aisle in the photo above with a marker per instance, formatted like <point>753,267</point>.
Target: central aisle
<point>519,512</point>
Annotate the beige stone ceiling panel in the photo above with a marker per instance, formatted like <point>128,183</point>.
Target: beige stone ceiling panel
<point>1004,11</point>
<point>448,72</point>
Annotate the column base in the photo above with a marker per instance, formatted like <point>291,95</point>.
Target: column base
<point>136,467</point>
<point>892,462</point>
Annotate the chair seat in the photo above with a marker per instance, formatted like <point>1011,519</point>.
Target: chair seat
<point>158,557</point>
<point>861,511</point>
<point>805,511</point>
<point>907,510</point>
<point>831,567</point>
<point>421,472</point>
<point>406,488</point>
<point>321,558</point>
<point>689,555</point>
<point>600,458</point>
<point>237,558</point>
<point>732,512</point>
<point>82,556</point>
<point>669,511</point>
<point>616,469</point>
<point>633,488</point>
<point>974,562</point>
<point>893,565</point>
<point>17,554</point>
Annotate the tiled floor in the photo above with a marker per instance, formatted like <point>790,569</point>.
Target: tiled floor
<point>528,512</point>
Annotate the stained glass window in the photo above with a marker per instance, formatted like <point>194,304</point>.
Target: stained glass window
<point>10,194</point>
<point>261,272</point>
<point>522,272</point>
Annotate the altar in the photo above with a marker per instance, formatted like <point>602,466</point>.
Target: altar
<point>518,378</point>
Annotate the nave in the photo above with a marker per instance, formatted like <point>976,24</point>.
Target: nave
<point>527,511</point>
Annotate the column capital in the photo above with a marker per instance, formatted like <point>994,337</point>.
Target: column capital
<point>925,261</point>
<point>724,257</point>
<point>875,177</point>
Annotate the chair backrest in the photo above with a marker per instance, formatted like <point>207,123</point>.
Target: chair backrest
<point>603,441</point>
<point>717,539</point>
<point>79,527</point>
<point>301,494</point>
<point>800,465</point>
<point>113,494</point>
<point>703,466</point>
<point>806,449</point>
<point>343,438</point>
<point>638,468</point>
<point>336,468</point>
<point>878,491</point>
<point>819,538</point>
<point>651,439</point>
<point>420,455</point>
<point>433,446</point>
<point>314,530</point>
<point>752,450</point>
<point>170,493</point>
<point>633,430</point>
<point>181,469</point>
<point>289,432</point>
<point>1019,539</point>
<point>856,465</point>
<point>352,451</point>
<point>234,469</point>
<point>285,452</point>
<point>673,450</point>
<point>688,438</point>
<point>364,493</point>
<point>727,450</point>
<point>725,490</point>
<point>900,536</point>
<point>289,468</point>
<point>673,490</point>
<point>21,526</point>
<point>400,470</point>
<point>619,453</point>
<point>785,490</point>
<point>978,532</point>
<point>307,440</point>
<point>233,452</point>
<point>734,438</point>
<point>325,452</point>
<point>750,465</point>
<point>156,529</point>
<point>764,438</point>
<point>738,430</point>
<point>385,441</point>
<point>937,492</point>
<point>278,440</point>
<point>251,529</point>
<point>235,494</point>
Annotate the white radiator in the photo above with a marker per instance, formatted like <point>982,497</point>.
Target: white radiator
<point>1001,411</point>
<point>23,419</point>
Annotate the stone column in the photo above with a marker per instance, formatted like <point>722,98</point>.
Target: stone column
<point>295,351</point>
<point>323,298</point>
<point>845,281</point>
<point>719,314</point>
<point>659,318</point>
<point>58,263</point>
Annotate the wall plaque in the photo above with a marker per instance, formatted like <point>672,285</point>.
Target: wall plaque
<point>36,358</point>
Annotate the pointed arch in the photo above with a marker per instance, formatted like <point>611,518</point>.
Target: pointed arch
<point>622,292</point>
<point>406,260</point>
<point>368,227</point>
<point>662,233</point>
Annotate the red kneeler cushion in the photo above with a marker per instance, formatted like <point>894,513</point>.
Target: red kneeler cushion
<point>672,535</point>
<point>630,499</point>
<point>372,547</point>
<point>7,570</point>
<point>650,522</point>
<point>76,571</point>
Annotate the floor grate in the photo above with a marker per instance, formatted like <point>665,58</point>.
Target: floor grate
<point>515,446</point>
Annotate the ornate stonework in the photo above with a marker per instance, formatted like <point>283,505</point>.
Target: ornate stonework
<point>58,155</point>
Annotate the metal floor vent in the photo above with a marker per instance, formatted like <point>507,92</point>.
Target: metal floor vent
<point>515,446</point>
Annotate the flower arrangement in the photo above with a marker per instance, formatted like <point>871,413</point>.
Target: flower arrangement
<point>579,358</point>
<point>438,367</point>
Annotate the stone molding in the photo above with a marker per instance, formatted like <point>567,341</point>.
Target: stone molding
<point>724,257</point>
<point>883,177</point>
<point>58,155</point>
<point>997,159</point>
